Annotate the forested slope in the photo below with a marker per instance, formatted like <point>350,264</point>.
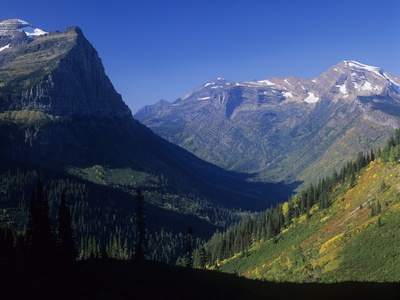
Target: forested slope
<point>345,228</point>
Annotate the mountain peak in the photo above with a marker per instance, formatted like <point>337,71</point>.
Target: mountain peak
<point>349,79</point>
<point>66,75</point>
<point>10,27</point>
<point>357,65</point>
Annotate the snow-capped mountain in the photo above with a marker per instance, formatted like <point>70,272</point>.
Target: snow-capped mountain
<point>16,32</point>
<point>284,128</point>
<point>9,27</point>
<point>346,80</point>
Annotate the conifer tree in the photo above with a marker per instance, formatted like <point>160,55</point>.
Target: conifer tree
<point>189,248</point>
<point>39,239</point>
<point>7,241</point>
<point>203,257</point>
<point>66,237</point>
<point>140,217</point>
<point>379,223</point>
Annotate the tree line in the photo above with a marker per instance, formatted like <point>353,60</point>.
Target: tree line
<point>43,244</point>
<point>103,217</point>
<point>267,225</point>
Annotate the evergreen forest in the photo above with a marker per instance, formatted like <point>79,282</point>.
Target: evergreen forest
<point>51,221</point>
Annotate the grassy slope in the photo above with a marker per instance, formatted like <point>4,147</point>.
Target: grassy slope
<point>338,244</point>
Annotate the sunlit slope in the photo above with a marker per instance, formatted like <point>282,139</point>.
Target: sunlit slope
<point>357,238</point>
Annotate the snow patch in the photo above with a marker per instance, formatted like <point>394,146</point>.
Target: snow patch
<point>311,98</point>
<point>343,90</point>
<point>367,86</point>
<point>266,82</point>
<point>355,64</point>
<point>204,98</point>
<point>287,81</point>
<point>217,82</point>
<point>23,23</point>
<point>287,94</point>
<point>5,47</point>
<point>35,33</point>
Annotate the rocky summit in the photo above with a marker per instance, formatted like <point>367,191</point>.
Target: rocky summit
<point>15,33</point>
<point>284,129</point>
<point>59,73</point>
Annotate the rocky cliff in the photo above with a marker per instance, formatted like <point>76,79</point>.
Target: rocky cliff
<point>51,87</point>
<point>58,74</point>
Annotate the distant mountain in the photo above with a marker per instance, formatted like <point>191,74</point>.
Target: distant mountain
<point>284,129</point>
<point>59,111</point>
<point>151,109</point>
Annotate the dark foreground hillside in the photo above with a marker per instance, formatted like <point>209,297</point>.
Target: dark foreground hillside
<point>150,280</point>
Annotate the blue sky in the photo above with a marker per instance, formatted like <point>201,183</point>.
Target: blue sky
<point>154,49</point>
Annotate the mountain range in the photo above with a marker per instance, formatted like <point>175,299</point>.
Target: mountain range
<point>283,129</point>
<point>62,121</point>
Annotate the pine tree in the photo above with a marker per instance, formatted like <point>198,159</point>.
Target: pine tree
<point>372,155</point>
<point>203,258</point>
<point>379,223</point>
<point>189,248</point>
<point>66,237</point>
<point>140,218</point>
<point>39,238</point>
<point>7,241</point>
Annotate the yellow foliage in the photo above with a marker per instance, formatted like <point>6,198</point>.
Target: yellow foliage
<point>285,208</point>
<point>330,242</point>
<point>324,219</point>
<point>314,209</point>
<point>295,200</point>
<point>331,266</point>
<point>303,219</point>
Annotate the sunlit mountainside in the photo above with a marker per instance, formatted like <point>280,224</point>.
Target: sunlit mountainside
<point>356,238</point>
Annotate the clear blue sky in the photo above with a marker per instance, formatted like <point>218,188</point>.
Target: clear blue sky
<point>163,49</point>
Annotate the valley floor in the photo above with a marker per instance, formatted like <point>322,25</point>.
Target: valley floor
<point>150,280</point>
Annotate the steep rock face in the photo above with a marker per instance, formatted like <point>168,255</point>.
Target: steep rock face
<point>59,74</point>
<point>55,99</point>
<point>284,128</point>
